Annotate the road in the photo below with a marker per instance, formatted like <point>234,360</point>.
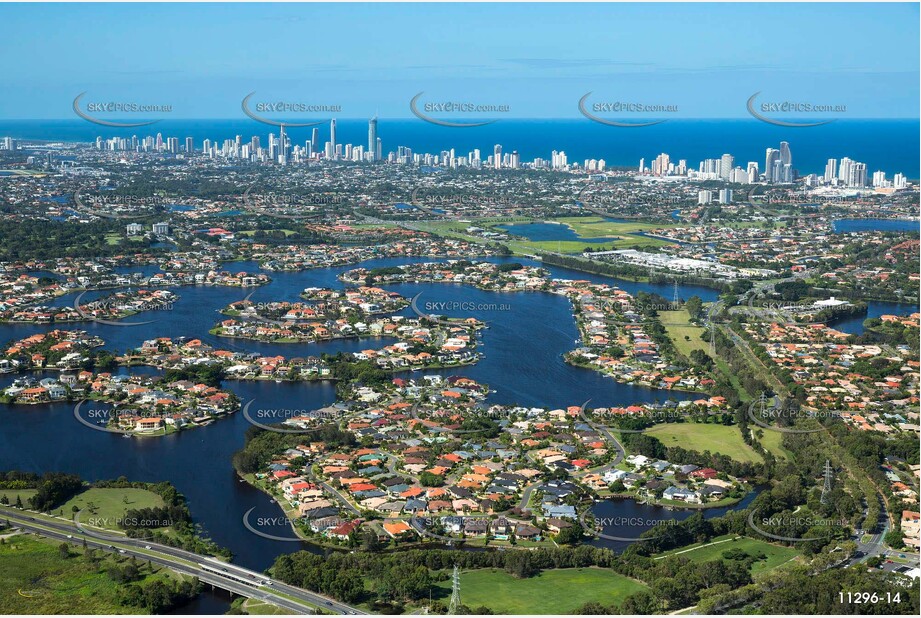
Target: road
<point>874,546</point>
<point>346,503</point>
<point>230,577</point>
<point>619,452</point>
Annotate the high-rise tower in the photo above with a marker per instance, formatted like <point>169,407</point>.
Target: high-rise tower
<point>372,138</point>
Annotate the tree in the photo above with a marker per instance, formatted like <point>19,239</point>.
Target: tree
<point>64,550</point>
<point>370,542</point>
<point>893,539</point>
<point>427,479</point>
<point>570,536</point>
<point>694,307</point>
<point>518,563</point>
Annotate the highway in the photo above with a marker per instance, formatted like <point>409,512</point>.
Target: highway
<point>230,577</point>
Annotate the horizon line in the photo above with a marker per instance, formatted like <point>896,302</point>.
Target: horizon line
<point>497,120</point>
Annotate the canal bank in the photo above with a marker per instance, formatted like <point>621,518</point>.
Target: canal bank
<point>524,365</point>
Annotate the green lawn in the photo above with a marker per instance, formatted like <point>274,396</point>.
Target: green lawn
<point>577,246</point>
<point>724,439</point>
<point>622,231</point>
<point>678,326</point>
<point>594,227</point>
<point>556,591</point>
<point>251,232</point>
<point>776,554</point>
<point>24,495</point>
<point>261,608</point>
<point>102,507</point>
<point>771,440</point>
<point>36,579</point>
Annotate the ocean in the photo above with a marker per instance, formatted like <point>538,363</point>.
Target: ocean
<point>888,145</point>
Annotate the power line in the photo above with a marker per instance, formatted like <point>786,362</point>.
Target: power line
<point>826,488</point>
<point>454,605</point>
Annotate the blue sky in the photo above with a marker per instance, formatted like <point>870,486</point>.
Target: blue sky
<point>538,59</point>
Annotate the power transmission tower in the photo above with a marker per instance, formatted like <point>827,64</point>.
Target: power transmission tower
<point>826,488</point>
<point>454,605</point>
<point>675,297</point>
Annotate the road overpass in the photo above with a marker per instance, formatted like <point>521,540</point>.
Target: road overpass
<point>208,570</point>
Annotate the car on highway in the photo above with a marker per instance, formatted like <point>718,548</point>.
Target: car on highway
<point>147,547</point>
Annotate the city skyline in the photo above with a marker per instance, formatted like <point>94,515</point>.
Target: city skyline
<point>778,165</point>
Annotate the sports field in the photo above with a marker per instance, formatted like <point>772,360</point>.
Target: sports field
<point>102,507</point>
<point>556,591</point>
<point>713,550</point>
<point>723,439</point>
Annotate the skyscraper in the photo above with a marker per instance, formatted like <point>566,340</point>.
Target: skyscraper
<point>752,172</point>
<point>372,138</point>
<point>726,163</point>
<point>315,140</point>
<point>770,159</point>
<point>786,157</point>
<point>282,146</point>
<point>660,165</point>
<point>831,170</point>
<point>497,156</point>
<point>332,136</point>
<point>844,170</point>
<point>859,175</point>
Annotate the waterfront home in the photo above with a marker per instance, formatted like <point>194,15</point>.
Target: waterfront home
<point>556,525</point>
<point>680,495</point>
<point>342,531</point>
<point>397,528</point>
<point>149,424</point>
<point>556,511</point>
